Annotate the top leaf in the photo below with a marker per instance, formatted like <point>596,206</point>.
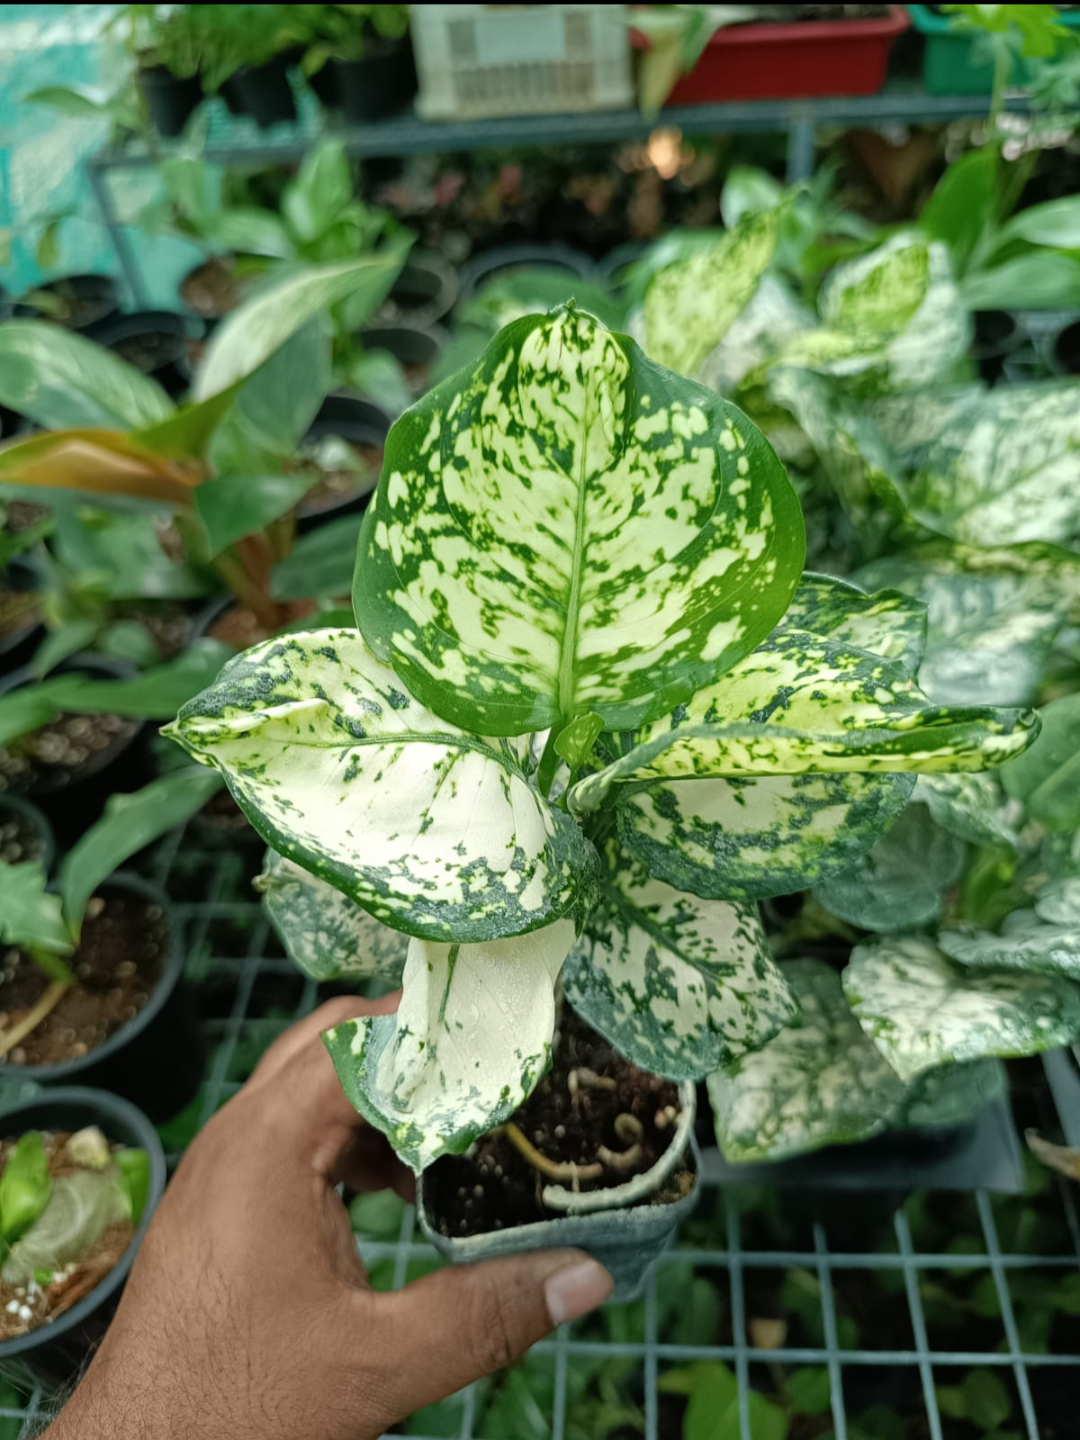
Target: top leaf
<point>570,528</point>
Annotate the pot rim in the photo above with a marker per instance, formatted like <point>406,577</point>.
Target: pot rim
<point>27,810</point>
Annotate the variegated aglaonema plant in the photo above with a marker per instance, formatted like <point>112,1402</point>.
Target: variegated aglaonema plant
<point>592,712</point>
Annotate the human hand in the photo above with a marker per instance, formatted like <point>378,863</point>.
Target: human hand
<point>248,1314</point>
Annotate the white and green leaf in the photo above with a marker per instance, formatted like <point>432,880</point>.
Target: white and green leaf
<point>680,986</point>
<point>1027,943</point>
<point>972,807</point>
<point>434,831</point>
<point>571,528</point>
<point>922,1009</point>
<point>470,1040</point>
<point>325,933</point>
<point>818,1082</point>
<point>950,1096</point>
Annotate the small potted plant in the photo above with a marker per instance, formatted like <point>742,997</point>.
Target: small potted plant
<point>360,60</point>
<point>91,990</point>
<point>81,1173</point>
<point>589,668</point>
<point>76,302</point>
<point>165,40</point>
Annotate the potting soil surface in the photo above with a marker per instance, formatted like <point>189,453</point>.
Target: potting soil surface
<point>19,840</point>
<point>68,748</point>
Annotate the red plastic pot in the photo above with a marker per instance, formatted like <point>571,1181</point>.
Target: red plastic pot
<point>787,62</point>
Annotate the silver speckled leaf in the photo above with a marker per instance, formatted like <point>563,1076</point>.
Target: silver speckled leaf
<point>1026,943</point>
<point>818,1082</point>
<point>679,985</point>
<point>468,1043</point>
<point>567,528</point>
<point>436,832</point>
<point>922,1009</point>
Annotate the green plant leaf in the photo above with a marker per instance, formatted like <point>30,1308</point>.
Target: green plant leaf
<point>325,933</point>
<point>323,186</point>
<point>25,1186</point>
<point>61,380</point>
<point>29,915</point>
<point>570,528</point>
<point>1026,943</point>
<point>322,562</point>
<point>129,824</point>
<point>262,324</point>
<point>982,1399</point>
<point>434,831</point>
<point>80,1207</point>
<point>950,1096</point>
<point>1059,902</point>
<point>692,303</point>
<point>963,203</point>
<point>1055,223</point>
<point>277,404</point>
<point>680,986</point>
<point>969,806</point>
<point>468,1044</point>
<point>238,505</point>
<point>921,1009</point>
<point>1041,280</point>
<point>133,1181</point>
<point>156,694</point>
<point>1047,778</point>
<point>818,1082</point>
<point>900,882</point>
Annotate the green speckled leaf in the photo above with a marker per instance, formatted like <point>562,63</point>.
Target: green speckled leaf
<point>900,882</point>
<point>922,1009</point>
<point>471,1038</point>
<point>970,806</point>
<point>889,623</point>
<point>769,322</point>
<point>325,933</point>
<point>807,701</point>
<point>692,303</point>
<point>819,1082</point>
<point>950,1095</point>
<point>1059,902</point>
<point>434,831</point>
<point>1047,779</point>
<point>570,528</point>
<point>1026,943</point>
<point>679,985</point>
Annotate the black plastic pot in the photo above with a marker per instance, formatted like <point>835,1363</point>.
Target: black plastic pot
<point>17,646</point>
<point>523,257</point>
<point>73,808</point>
<point>263,92</point>
<point>53,1355</point>
<point>355,420</point>
<point>380,84</point>
<point>157,1058</point>
<point>996,336</point>
<point>426,291</point>
<point>410,345</point>
<point>155,342</point>
<point>1065,350</point>
<point>1024,366</point>
<point>91,299</point>
<point>12,807</point>
<point>170,99</point>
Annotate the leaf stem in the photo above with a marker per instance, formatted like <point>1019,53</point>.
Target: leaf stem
<point>48,1002</point>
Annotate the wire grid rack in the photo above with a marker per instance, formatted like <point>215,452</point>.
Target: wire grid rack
<point>869,1299</point>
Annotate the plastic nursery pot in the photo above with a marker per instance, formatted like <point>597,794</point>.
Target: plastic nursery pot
<point>787,61</point>
<point>626,1237</point>
<point>21,630</point>
<point>52,1355</point>
<point>1065,350</point>
<point>503,258</point>
<point>77,302</point>
<point>263,92</point>
<point>73,797</point>
<point>155,342</point>
<point>426,291</point>
<point>415,348</point>
<point>361,424</point>
<point>25,834</point>
<point>952,64</point>
<point>170,99</point>
<point>213,289</point>
<point>996,335</point>
<point>157,1057</point>
<point>381,83</point>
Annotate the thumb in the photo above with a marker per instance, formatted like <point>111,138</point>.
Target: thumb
<point>465,1321</point>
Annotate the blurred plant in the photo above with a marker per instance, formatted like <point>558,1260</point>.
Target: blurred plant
<point>350,32</point>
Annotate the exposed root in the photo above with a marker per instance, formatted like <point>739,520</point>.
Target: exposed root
<point>567,1173</point>
<point>50,998</point>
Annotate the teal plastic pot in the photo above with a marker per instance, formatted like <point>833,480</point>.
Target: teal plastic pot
<point>950,63</point>
<point>627,1239</point>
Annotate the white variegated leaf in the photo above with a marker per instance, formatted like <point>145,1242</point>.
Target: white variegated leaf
<point>951,1095</point>
<point>818,1082</point>
<point>771,320</point>
<point>900,882</point>
<point>680,986</point>
<point>970,806</point>
<point>691,304</point>
<point>922,1009</point>
<point>325,933</point>
<point>468,1043</point>
<point>436,832</point>
<point>570,528</point>
<point>1026,943</point>
<point>1059,902</point>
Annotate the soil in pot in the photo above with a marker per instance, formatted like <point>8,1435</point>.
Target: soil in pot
<point>339,489</point>
<point>154,342</point>
<point>222,819</point>
<point>423,293</point>
<point>241,628</point>
<point>574,1115</point>
<point>23,834</point>
<point>77,302</point>
<point>18,610</point>
<point>67,750</point>
<point>415,350</point>
<point>214,288</point>
<point>28,1307</point>
<point>119,959</point>
<point>168,624</point>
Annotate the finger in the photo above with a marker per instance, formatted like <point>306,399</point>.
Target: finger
<point>305,1031</point>
<point>463,1322</point>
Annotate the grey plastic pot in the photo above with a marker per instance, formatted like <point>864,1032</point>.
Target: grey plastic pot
<point>626,1240</point>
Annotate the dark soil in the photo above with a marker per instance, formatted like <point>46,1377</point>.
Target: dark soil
<point>568,1120</point>
<point>242,628</point>
<point>213,289</point>
<point>18,610</point>
<point>67,749</point>
<point>19,840</point>
<point>23,1309</point>
<point>151,350</point>
<point>118,961</point>
<point>339,486</point>
<point>168,626</point>
<point>72,306</point>
<point>20,515</point>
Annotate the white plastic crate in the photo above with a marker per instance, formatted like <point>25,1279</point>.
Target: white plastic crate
<point>475,60</point>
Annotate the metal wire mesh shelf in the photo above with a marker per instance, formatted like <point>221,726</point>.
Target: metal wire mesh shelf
<point>885,1305</point>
